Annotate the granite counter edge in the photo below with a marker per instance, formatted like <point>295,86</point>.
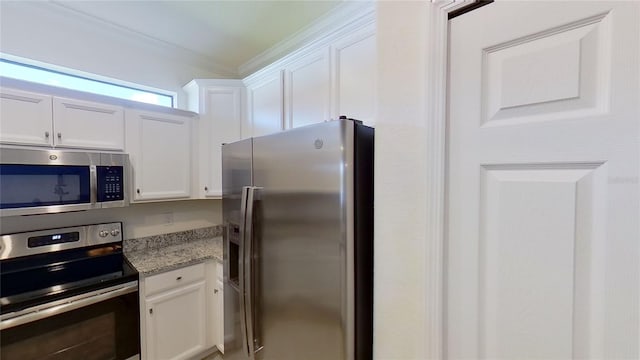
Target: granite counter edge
<point>173,257</point>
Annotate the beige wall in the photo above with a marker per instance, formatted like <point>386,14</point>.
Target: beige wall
<point>138,220</point>
<point>400,170</point>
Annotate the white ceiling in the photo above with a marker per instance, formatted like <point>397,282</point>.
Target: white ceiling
<point>230,33</point>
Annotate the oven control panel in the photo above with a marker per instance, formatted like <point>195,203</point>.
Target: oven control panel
<point>52,240</point>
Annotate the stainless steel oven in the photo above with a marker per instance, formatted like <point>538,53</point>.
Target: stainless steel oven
<point>68,293</point>
<point>51,181</point>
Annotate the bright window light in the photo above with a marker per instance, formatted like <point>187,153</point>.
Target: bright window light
<point>16,70</point>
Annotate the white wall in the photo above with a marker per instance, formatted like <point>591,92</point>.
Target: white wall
<point>46,32</point>
<point>138,220</point>
<point>400,171</point>
<point>49,33</point>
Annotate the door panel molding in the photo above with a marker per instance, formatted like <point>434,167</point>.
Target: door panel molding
<point>538,256</point>
<point>564,255</point>
<point>436,172</point>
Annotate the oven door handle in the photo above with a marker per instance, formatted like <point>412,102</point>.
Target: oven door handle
<point>44,311</point>
<point>93,184</point>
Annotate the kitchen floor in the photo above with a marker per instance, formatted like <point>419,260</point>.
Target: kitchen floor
<point>214,356</point>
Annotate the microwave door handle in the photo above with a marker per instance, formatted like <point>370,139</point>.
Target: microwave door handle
<point>249,272</point>
<point>241,266</point>
<point>93,184</point>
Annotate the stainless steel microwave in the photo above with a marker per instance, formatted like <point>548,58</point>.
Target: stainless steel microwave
<point>53,181</point>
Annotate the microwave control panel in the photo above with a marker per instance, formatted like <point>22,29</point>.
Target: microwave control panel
<point>110,183</point>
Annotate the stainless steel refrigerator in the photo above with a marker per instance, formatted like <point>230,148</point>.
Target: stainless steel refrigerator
<point>298,245</point>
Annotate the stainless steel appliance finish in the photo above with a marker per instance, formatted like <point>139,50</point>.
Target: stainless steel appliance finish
<point>66,293</point>
<point>91,160</point>
<point>16,245</point>
<point>298,207</point>
<point>54,308</point>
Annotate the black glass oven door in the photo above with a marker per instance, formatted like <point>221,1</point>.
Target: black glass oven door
<point>105,330</point>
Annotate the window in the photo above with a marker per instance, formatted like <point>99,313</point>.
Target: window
<point>41,75</point>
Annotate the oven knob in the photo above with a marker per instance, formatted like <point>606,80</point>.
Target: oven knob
<point>115,232</point>
<point>103,233</point>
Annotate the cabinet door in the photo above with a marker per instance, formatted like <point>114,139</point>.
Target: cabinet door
<point>221,124</point>
<point>543,196</point>
<point>307,90</point>
<point>354,76</point>
<point>175,325</point>
<point>265,100</point>
<point>219,310</point>
<point>159,147</point>
<point>26,118</point>
<point>87,125</point>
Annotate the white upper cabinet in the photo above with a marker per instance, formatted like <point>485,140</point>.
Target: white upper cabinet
<point>25,118</point>
<point>87,125</point>
<point>333,75</point>
<point>307,89</point>
<point>265,101</point>
<point>220,104</point>
<point>43,120</point>
<point>159,147</point>
<point>354,76</point>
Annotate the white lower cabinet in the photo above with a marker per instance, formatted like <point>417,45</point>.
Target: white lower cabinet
<point>179,313</point>
<point>218,324</point>
<point>175,326</point>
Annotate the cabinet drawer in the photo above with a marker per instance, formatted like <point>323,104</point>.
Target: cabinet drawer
<point>174,278</point>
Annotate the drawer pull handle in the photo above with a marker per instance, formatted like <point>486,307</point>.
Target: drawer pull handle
<point>179,278</point>
<point>150,311</point>
<point>215,291</point>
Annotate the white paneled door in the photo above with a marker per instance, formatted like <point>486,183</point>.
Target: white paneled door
<point>542,254</point>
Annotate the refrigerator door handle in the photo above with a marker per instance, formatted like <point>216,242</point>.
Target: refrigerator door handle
<point>249,272</point>
<point>241,270</point>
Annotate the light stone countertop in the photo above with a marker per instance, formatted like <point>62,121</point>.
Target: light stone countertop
<point>166,252</point>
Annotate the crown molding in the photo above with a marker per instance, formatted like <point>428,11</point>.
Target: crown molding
<point>345,17</point>
<point>186,55</point>
<point>348,15</point>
